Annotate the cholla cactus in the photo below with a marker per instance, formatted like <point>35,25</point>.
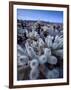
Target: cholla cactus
<point>23,61</point>
<point>34,63</point>
<point>45,28</point>
<point>40,42</point>
<point>20,50</point>
<point>33,35</point>
<point>42,59</point>
<point>52,60</point>
<point>30,51</point>
<point>34,74</point>
<point>48,41</point>
<point>58,42</point>
<point>59,53</point>
<point>47,52</point>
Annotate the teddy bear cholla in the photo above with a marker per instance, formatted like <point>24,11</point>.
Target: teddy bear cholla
<point>36,54</point>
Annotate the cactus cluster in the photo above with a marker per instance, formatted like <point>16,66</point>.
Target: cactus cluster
<point>39,53</point>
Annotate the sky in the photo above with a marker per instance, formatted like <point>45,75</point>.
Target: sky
<point>44,15</point>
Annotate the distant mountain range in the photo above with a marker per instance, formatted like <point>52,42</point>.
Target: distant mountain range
<point>28,24</point>
<point>34,21</point>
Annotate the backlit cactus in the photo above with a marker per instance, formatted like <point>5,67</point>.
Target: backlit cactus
<point>39,47</point>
